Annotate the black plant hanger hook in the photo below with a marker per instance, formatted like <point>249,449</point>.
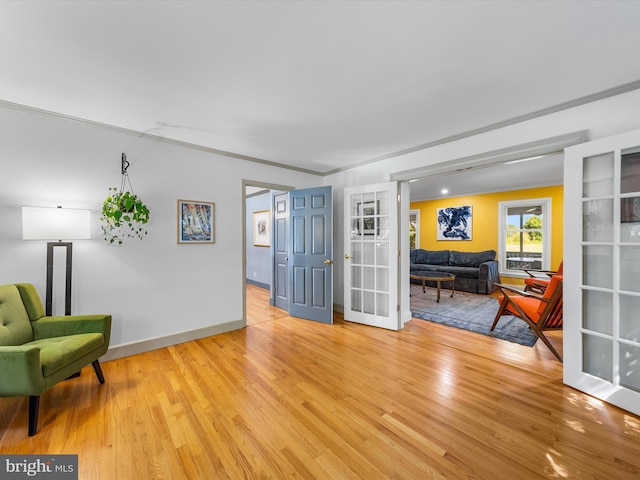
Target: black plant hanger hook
<point>124,165</point>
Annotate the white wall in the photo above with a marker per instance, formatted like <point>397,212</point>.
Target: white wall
<point>154,287</point>
<point>602,118</point>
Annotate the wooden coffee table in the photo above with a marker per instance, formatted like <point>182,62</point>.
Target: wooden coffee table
<point>437,277</point>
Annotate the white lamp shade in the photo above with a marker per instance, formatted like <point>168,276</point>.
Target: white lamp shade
<point>41,223</point>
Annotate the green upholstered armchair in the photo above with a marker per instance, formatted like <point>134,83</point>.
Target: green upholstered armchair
<point>37,351</point>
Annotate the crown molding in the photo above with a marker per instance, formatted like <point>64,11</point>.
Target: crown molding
<point>148,136</point>
<point>611,92</point>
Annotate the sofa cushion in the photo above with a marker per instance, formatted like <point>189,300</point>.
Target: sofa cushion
<point>461,272</point>
<point>31,300</point>
<point>471,259</point>
<point>15,328</point>
<point>432,257</point>
<point>424,270</point>
<point>57,352</point>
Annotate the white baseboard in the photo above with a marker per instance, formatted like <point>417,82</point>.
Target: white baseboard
<point>133,348</point>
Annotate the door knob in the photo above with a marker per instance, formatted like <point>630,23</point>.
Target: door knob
<point>327,262</point>
<point>347,257</point>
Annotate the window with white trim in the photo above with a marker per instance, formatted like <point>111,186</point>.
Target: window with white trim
<point>414,228</point>
<point>525,235</point>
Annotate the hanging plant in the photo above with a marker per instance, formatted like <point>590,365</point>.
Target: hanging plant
<point>123,212</point>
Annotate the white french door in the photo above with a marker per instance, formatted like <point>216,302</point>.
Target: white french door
<point>371,255</point>
<point>602,269</point>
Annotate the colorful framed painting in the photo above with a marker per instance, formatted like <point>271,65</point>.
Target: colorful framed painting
<point>454,223</point>
<point>261,228</point>
<point>196,221</point>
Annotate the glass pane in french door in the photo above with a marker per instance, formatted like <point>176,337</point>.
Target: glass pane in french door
<point>598,265</point>
<point>369,241</point>
<point>611,267</point>
<point>630,171</point>
<point>597,178</point>
<point>630,196</point>
<point>629,296</point>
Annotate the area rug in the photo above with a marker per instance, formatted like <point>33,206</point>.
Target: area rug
<point>469,312</point>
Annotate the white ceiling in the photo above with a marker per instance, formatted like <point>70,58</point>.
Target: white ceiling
<point>515,175</point>
<point>316,85</point>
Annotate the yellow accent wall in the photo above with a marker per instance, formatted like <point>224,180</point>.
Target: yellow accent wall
<point>484,234</point>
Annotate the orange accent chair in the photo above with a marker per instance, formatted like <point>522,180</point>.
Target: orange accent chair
<point>539,284</point>
<point>540,312</point>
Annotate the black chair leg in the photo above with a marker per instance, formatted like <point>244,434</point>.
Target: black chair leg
<point>98,369</point>
<point>34,404</point>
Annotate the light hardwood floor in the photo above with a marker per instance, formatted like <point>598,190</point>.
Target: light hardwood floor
<point>288,398</point>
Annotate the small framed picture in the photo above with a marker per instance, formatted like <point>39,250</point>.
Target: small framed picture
<point>368,210</point>
<point>261,228</point>
<point>196,221</point>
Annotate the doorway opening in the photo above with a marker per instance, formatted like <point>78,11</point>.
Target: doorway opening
<point>257,273</point>
<point>296,225</point>
<point>484,181</point>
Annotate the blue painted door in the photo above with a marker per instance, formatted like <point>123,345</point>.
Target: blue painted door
<point>310,254</point>
<point>280,282</point>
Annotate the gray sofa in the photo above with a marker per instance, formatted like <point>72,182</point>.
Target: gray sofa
<point>475,272</point>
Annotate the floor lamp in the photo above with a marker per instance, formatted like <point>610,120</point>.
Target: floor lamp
<point>41,223</point>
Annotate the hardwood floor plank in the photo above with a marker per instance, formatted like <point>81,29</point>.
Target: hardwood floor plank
<point>287,398</point>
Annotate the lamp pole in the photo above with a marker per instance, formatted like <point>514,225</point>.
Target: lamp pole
<point>67,288</point>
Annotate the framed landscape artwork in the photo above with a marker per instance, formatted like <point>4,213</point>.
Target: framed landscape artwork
<point>261,228</point>
<point>196,221</point>
<point>454,223</point>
